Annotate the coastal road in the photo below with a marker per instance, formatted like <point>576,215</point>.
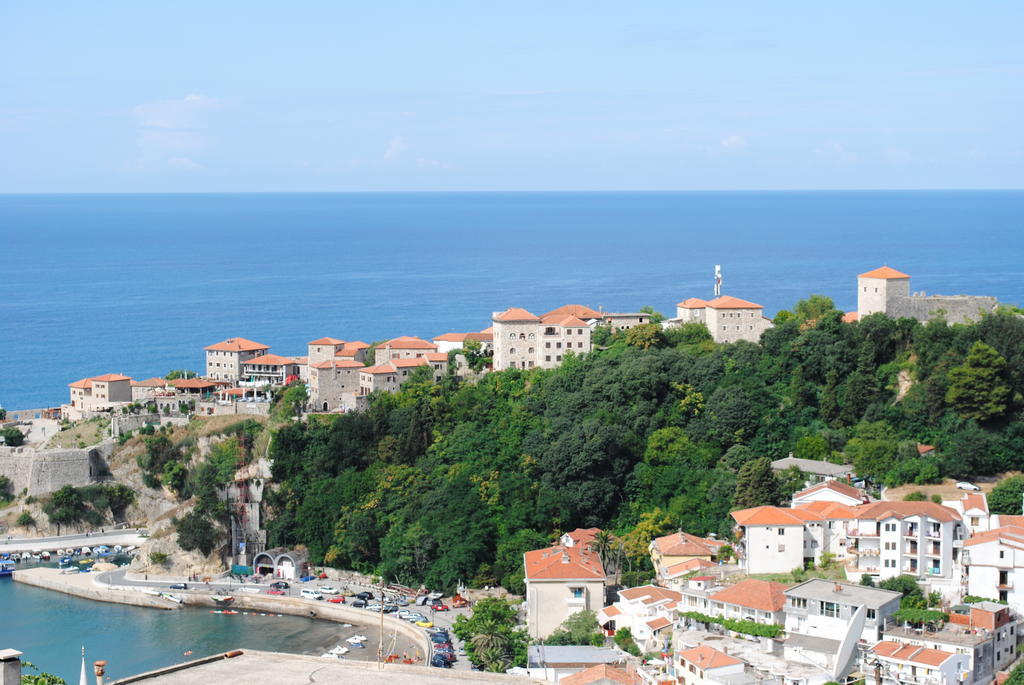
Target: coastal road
<point>109,538</point>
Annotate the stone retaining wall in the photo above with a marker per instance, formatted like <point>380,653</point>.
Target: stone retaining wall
<point>101,594</point>
<point>43,471</point>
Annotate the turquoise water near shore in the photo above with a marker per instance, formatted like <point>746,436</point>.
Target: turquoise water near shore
<point>50,628</point>
<point>139,284</point>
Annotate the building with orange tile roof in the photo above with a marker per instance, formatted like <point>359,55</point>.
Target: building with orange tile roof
<point>673,549</point>
<point>323,349</point>
<point>402,347</point>
<point>602,674</point>
<point>334,384</point>
<point>705,665</point>
<point>354,350</point>
<point>561,580</point>
<point>224,359</point>
<point>269,369</point>
<point>751,599</point>
<point>728,319</point>
<point>96,394</point>
<point>887,291</point>
<point>995,562</point>
<point>647,611</point>
<point>894,663</point>
<point>831,491</point>
<point>973,510</point>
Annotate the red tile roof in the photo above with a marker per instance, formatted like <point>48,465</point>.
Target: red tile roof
<point>975,500</point>
<point>408,342</point>
<point>683,544</point>
<point>563,321</point>
<point>851,317</point>
<point>729,302</point>
<point>86,383</point>
<point>238,345</point>
<point>436,356</point>
<point>773,516</point>
<point>269,360</point>
<point>692,303</point>
<point>883,272</point>
<point>705,657</point>
<point>192,383</point>
<point>338,364</point>
<point>151,383</point>
<point>578,562</point>
<point>602,673</point>
<point>577,310</point>
<point>483,336</point>
<point>407,363</point>
<point>912,653</point>
<point>515,314</point>
<point>649,594</point>
<point>884,510</point>
<point>835,486</point>
<point>688,566</point>
<point>751,593</point>
<point>450,337</point>
<point>379,369</point>
<point>659,623</point>
<point>924,449</point>
<point>829,510</point>
<point>327,341</point>
<point>83,384</point>
<point>1013,533</point>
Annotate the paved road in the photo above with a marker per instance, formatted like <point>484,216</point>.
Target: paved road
<point>110,538</point>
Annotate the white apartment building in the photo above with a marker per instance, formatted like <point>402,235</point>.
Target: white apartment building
<point>98,393</point>
<point>994,561</point>
<point>224,359</point>
<point>895,663</point>
<point>646,610</point>
<point>834,491</point>
<point>921,539</point>
<point>705,665</point>
<point>973,510</point>
<point>562,580</point>
<point>779,539</point>
<point>826,620</point>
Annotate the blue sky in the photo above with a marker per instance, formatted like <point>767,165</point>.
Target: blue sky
<point>302,96</point>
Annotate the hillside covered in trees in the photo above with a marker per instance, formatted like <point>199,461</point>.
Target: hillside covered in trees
<point>442,483</point>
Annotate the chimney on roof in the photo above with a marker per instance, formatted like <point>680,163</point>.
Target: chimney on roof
<point>837,588</point>
<point>565,557</point>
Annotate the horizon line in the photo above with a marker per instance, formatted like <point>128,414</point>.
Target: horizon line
<point>512,192</point>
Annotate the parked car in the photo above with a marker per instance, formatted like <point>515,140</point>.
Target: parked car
<point>412,618</point>
<point>438,661</point>
<point>402,602</point>
<point>338,599</point>
<point>435,596</point>
<point>364,595</point>
<point>439,637</point>
<point>306,579</point>
<point>328,590</point>
<point>373,607</point>
<point>359,603</point>
<point>280,585</point>
<point>425,624</point>
<point>964,485</point>
<point>275,591</point>
<point>404,613</point>
<point>179,586</point>
<point>308,593</point>
<point>390,608</point>
<point>438,606</point>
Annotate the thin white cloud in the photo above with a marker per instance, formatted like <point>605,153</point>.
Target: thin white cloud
<point>172,132</point>
<point>733,142</point>
<point>395,149</point>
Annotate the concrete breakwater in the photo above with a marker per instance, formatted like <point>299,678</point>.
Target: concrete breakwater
<point>82,585</point>
<point>94,586</point>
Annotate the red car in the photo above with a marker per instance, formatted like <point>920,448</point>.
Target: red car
<point>337,599</point>
<point>275,591</point>
<point>437,606</point>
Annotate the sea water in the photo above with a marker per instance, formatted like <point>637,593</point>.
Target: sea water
<point>139,284</point>
<point>50,629</point>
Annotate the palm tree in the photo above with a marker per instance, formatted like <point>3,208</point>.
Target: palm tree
<point>603,543</point>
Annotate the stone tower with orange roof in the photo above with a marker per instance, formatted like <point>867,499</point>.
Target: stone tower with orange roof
<point>879,289</point>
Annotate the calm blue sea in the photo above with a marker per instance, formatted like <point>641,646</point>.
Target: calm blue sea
<point>139,284</point>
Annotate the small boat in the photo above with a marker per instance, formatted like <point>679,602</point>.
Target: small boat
<point>222,600</point>
<point>173,598</point>
<point>86,550</point>
<point>6,568</point>
<point>45,556</point>
<point>61,552</point>
<point>252,590</point>
<point>356,638</point>
<point>118,548</point>
<point>337,653</point>
<point>358,645</point>
<point>15,557</point>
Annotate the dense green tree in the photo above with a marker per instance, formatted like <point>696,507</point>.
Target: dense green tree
<point>645,336</point>
<point>580,628</point>
<point>12,437</point>
<point>196,532</point>
<point>977,388</point>
<point>492,642</point>
<point>65,506</point>
<point>756,485</point>
<point>1007,497</point>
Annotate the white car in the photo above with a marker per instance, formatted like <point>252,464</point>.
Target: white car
<point>964,485</point>
<point>328,590</point>
<point>310,594</point>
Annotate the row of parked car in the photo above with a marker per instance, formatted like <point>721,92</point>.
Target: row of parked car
<point>443,655</point>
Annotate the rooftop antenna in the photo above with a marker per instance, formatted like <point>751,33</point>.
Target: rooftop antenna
<point>718,280</point>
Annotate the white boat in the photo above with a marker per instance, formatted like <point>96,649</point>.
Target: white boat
<point>15,557</point>
<point>155,593</point>
<point>60,552</point>
<point>356,638</point>
<point>86,550</point>
<point>173,598</point>
<point>45,556</point>
<point>118,548</point>
<point>336,653</point>
<point>253,590</point>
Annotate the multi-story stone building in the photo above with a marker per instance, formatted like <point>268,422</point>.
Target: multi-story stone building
<point>562,580</point>
<point>393,374</point>
<point>334,384</point>
<point>402,347</point>
<point>224,360</point>
<point>727,318</point>
<point>887,290</point>
<point>323,349</point>
<point>524,341</point>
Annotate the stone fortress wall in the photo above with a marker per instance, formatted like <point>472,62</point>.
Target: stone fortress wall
<point>954,308</point>
<point>43,471</point>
